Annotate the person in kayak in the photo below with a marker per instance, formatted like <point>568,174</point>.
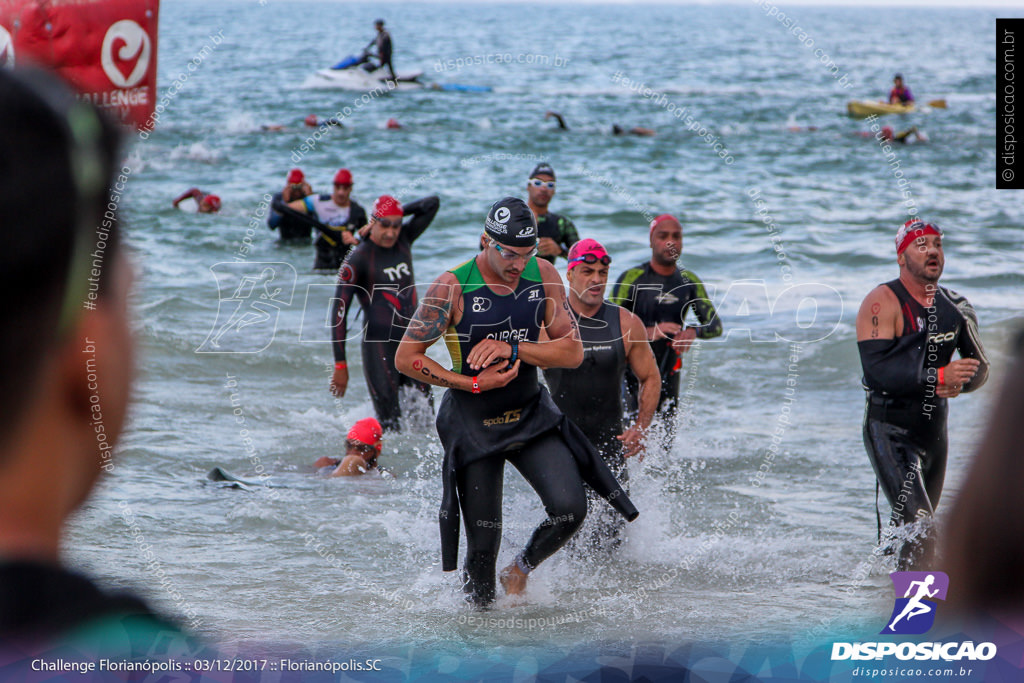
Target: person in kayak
<point>289,227</point>
<point>900,94</point>
<point>362,449</point>
<point>614,340</point>
<point>907,332</point>
<point>492,312</point>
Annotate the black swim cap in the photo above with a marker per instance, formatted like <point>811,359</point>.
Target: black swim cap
<point>511,223</point>
<point>543,168</point>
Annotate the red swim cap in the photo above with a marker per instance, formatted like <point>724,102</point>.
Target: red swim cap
<point>663,217</point>
<point>913,229</point>
<point>387,205</point>
<point>213,201</point>
<point>343,177</point>
<point>581,249</point>
<point>311,121</point>
<point>367,431</point>
<point>393,123</point>
<point>296,176</point>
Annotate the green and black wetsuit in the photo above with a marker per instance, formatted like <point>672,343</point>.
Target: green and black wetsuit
<point>657,299</point>
<point>518,423</point>
<point>560,229</point>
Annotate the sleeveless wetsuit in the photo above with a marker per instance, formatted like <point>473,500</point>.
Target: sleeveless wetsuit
<point>657,299</point>
<point>590,396</point>
<point>383,282</point>
<point>904,419</point>
<point>518,423</point>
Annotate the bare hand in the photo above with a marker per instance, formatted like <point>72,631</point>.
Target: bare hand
<point>364,231</point>
<point>959,372</point>
<point>497,376</point>
<point>663,331</point>
<point>683,339</point>
<point>348,238</point>
<point>548,247</point>
<point>487,351</point>
<point>339,382</point>
<point>632,442</point>
<point>948,391</point>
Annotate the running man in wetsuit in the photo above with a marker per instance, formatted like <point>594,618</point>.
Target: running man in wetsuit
<point>613,340</point>
<point>907,332</point>
<point>492,310</point>
<point>556,233</point>
<point>291,228</point>
<point>335,216</point>
<point>661,293</point>
<point>379,273</point>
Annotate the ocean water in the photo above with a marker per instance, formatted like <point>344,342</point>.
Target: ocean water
<point>718,554</point>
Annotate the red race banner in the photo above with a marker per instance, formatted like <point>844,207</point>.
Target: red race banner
<point>104,48</point>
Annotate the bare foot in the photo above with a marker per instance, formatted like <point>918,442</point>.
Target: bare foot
<point>513,580</point>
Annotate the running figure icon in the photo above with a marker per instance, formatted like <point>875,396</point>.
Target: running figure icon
<point>915,606</point>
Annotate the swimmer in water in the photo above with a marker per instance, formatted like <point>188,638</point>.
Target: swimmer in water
<point>362,450</point>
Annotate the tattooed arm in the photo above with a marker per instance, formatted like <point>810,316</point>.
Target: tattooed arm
<point>432,318</point>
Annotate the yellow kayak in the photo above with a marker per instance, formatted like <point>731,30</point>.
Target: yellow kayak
<point>860,109</point>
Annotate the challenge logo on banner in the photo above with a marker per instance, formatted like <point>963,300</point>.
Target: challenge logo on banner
<point>914,612</point>
<point>105,48</point>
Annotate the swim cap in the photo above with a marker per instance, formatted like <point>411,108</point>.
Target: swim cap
<point>387,205</point>
<point>584,248</point>
<point>343,177</point>
<point>213,201</point>
<point>311,121</point>
<point>661,218</point>
<point>393,123</point>
<point>887,133</point>
<point>511,223</point>
<point>543,168</point>
<point>367,431</point>
<point>913,229</point>
<point>296,176</point>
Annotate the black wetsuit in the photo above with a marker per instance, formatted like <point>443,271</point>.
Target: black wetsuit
<point>560,229</point>
<point>383,281</point>
<point>517,423</point>
<point>290,228</point>
<point>590,396</point>
<point>904,419</point>
<point>384,50</point>
<point>657,299</point>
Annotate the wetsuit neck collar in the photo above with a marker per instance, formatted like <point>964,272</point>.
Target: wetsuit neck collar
<point>657,269</point>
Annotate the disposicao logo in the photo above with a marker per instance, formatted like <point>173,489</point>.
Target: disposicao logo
<point>913,614</point>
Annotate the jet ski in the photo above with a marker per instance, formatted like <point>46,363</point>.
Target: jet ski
<point>361,74</point>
